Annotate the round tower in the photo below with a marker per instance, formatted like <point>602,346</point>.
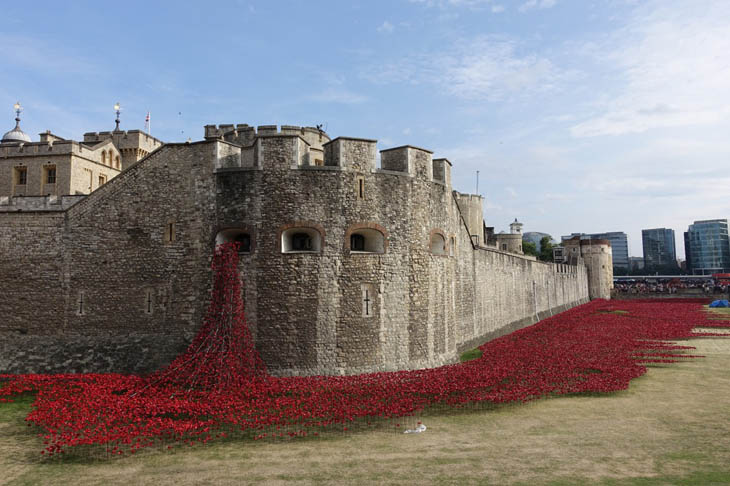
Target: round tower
<point>598,259</point>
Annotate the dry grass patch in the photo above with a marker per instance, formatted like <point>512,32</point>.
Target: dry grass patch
<point>670,427</point>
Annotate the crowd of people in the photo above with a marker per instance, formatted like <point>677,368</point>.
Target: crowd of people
<point>670,285</point>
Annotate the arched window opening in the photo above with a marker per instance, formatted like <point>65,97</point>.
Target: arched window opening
<point>367,240</point>
<point>103,157</point>
<point>240,237</point>
<point>301,240</point>
<point>438,244</point>
<point>117,160</point>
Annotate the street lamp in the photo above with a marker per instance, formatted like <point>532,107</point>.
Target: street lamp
<point>117,109</point>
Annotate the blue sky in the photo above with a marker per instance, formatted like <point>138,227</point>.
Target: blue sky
<point>580,115</point>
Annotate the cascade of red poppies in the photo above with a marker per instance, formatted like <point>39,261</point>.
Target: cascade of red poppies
<point>222,355</point>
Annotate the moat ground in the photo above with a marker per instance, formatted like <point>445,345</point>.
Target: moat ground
<point>671,427</point>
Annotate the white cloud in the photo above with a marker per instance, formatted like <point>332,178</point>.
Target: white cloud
<point>335,95</point>
<point>453,3</point>
<point>485,68</point>
<point>386,27</point>
<point>674,67</point>
<point>473,4</point>
<point>491,69</point>
<point>532,4</point>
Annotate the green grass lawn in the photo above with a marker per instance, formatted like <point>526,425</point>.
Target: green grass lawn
<point>671,427</point>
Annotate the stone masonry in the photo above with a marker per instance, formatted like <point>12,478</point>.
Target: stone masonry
<point>346,267</point>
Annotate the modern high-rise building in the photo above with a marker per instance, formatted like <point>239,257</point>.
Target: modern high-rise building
<point>707,247</point>
<point>535,237</point>
<point>660,253</point>
<point>619,247</point>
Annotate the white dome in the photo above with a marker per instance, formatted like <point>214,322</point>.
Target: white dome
<point>16,134</point>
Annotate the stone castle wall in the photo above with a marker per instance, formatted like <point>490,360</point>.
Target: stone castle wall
<point>100,286</point>
<point>75,283</point>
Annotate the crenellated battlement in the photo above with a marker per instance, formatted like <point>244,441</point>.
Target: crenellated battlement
<point>294,147</point>
<point>246,135</point>
<point>137,136</point>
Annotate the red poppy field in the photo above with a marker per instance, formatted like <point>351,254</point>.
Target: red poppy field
<point>220,387</point>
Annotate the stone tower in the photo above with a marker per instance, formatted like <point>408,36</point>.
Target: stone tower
<point>598,259</point>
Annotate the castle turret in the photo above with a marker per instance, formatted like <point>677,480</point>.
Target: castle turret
<point>598,258</point>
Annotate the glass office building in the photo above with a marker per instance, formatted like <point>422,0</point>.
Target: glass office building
<point>659,249</point>
<point>535,237</point>
<point>707,247</point>
<point>619,247</point>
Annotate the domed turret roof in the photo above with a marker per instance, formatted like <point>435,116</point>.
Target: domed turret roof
<point>16,134</point>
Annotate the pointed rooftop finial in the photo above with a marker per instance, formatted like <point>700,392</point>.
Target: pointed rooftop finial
<point>16,134</point>
<point>117,109</point>
<point>18,110</point>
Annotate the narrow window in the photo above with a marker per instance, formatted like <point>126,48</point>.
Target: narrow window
<point>91,178</point>
<point>504,246</point>
<point>368,300</point>
<point>102,180</point>
<point>148,302</point>
<point>169,232</point>
<point>21,176</point>
<point>81,304</point>
<point>452,245</point>
<point>117,161</point>
<point>357,242</point>
<point>360,188</point>
<point>103,157</point>
<point>51,175</point>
